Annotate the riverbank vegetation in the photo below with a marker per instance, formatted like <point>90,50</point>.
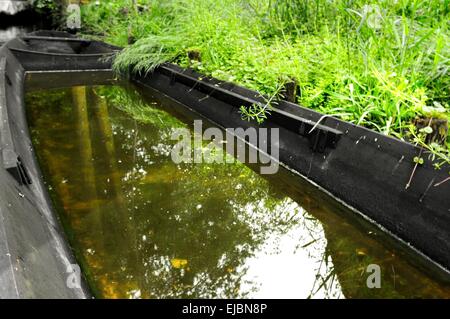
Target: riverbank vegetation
<point>381,64</point>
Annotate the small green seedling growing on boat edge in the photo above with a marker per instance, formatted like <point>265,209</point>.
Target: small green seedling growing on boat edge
<point>418,160</point>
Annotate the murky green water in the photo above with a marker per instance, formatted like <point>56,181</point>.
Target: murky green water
<point>143,226</point>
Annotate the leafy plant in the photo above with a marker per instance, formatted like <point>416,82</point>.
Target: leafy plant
<point>44,6</point>
<point>436,153</point>
<point>379,65</point>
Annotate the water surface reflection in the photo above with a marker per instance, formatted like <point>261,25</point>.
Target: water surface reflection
<point>145,227</point>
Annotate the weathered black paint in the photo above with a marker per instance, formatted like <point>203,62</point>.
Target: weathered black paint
<point>34,254</point>
<point>38,53</point>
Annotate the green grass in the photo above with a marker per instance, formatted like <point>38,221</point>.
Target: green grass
<point>379,65</point>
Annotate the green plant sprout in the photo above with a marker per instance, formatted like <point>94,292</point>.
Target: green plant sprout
<point>437,153</point>
<point>260,111</point>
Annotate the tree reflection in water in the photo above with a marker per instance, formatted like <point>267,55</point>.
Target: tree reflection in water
<point>146,227</point>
